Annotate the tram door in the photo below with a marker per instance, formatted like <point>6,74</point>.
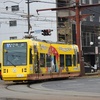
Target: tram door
<point>36,60</point>
<point>61,62</point>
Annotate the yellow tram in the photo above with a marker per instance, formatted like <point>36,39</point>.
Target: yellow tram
<point>0,63</point>
<point>27,59</point>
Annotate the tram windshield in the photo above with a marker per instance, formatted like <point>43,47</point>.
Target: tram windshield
<point>15,54</point>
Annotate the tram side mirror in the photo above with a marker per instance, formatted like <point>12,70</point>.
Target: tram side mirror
<point>31,52</point>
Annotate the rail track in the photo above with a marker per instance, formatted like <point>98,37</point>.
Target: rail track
<point>42,88</point>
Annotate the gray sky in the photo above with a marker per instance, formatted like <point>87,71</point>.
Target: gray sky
<point>45,19</point>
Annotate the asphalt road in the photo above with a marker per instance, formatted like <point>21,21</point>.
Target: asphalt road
<point>86,88</point>
<point>78,85</point>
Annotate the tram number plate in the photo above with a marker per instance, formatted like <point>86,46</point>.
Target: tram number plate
<point>20,75</point>
<point>75,68</point>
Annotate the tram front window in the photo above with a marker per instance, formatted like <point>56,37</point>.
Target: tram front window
<point>15,54</point>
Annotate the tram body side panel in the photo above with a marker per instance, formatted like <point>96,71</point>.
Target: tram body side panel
<point>43,52</point>
<point>0,70</point>
<point>0,60</point>
<point>55,55</point>
<point>67,50</point>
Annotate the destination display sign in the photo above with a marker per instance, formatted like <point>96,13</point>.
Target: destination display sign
<point>11,45</point>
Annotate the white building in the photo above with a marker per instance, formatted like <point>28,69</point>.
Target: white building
<point>13,21</point>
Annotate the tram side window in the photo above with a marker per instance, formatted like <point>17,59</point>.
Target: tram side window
<point>61,60</point>
<point>74,60</point>
<point>42,60</point>
<point>48,60</point>
<point>30,58</point>
<point>78,58</point>
<point>68,60</point>
<point>35,60</point>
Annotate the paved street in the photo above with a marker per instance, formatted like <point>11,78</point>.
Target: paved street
<point>77,85</point>
<point>86,88</point>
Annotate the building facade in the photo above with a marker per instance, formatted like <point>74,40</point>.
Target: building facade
<point>90,30</point>
<point>64,25</point>
<point>90,33</point>
<point>13,24</point>
<point>14,19</point>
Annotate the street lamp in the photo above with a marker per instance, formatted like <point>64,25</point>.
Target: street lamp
<point>91,43</point>
<point>98,37</point>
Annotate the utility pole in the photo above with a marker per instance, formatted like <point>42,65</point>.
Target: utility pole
<point>28,16</point>
<point>77,8</point>
<point>28,21</point>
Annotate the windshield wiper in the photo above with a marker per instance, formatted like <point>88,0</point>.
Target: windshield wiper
<point>11,63</point>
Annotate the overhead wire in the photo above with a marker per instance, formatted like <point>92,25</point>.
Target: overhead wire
<point>20,1</point>
<point>93,10</point>
<point>42,16</point>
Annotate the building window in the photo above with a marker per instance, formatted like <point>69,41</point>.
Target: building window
<point>84,1</point>
<point>90,2</point>
<point>61,37</point>
<point>99,18</point>
<point>15,8</point>
<point>87,38</point>
<point>6,7</point>
<point>91,18</point>
<point>83,39</point>
<point>61,3</point>
<point>84,19</point>
<point>61,21</point>
<point>13,23</point>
